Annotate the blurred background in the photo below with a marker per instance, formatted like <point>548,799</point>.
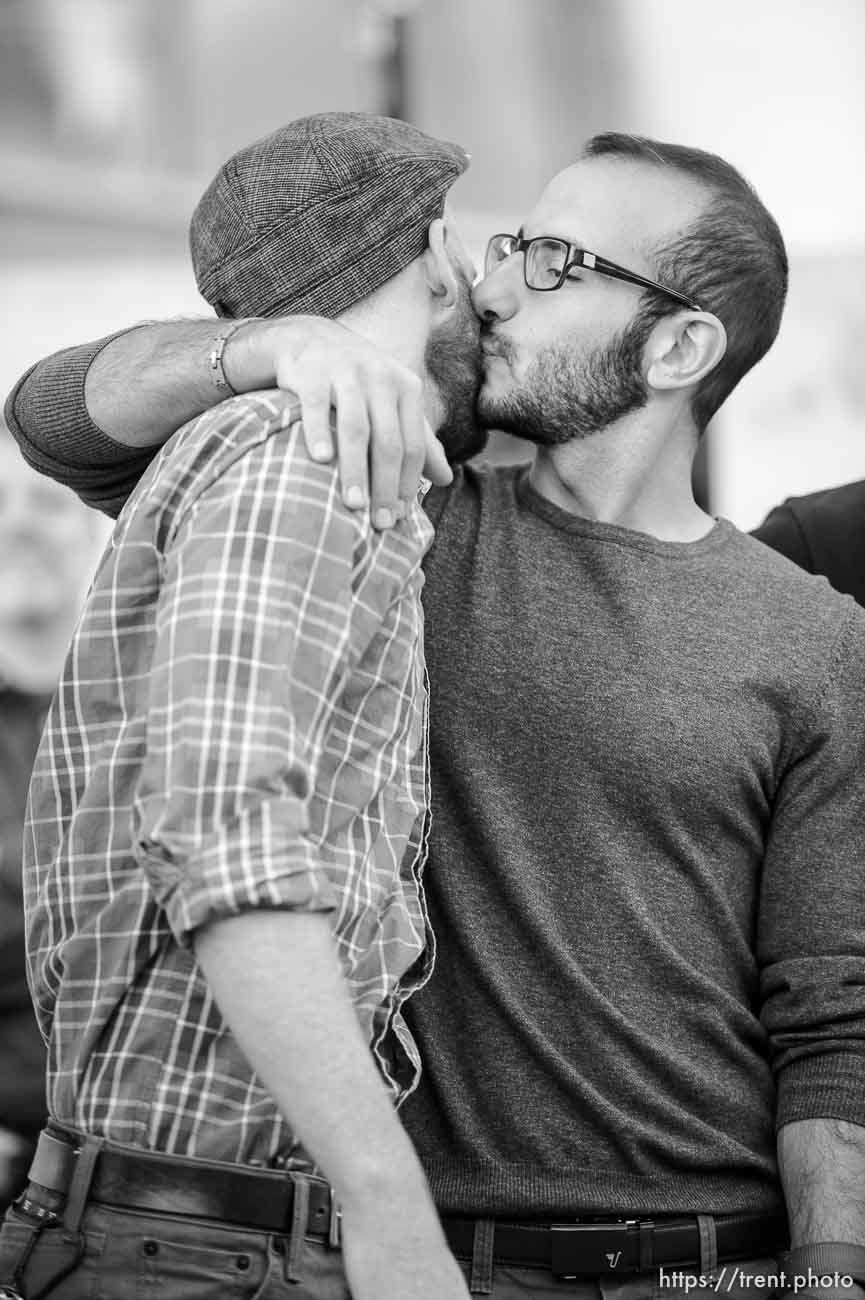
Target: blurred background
<point>115,113</point>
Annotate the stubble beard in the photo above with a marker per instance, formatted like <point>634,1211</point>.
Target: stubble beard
<point>453,363</point>
<point>564,397</point>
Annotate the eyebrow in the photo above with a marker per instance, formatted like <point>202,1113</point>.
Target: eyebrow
<point>576,244</point>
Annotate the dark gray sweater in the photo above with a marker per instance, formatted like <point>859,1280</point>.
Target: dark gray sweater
<point>646,860</point>
<point>646,864</point>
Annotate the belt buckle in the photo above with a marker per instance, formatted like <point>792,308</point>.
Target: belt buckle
<point>588,1249</point>
<point>9,1293</point>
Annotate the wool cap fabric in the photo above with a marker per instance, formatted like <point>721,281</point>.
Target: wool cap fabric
<point>315,216</point>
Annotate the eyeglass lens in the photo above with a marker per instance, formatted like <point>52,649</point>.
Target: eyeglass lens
<point>545,258</point>
<point>545,262</point>
<point>499,248</point>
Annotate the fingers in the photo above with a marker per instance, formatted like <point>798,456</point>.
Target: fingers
<point>413,427</point>
<point>387,454</point>
<point>315,396</point>
<point>435,466</point>
<point>353,436</point>
<point>379,434</point>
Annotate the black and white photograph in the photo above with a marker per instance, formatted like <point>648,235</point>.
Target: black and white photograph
<point>432,650</point>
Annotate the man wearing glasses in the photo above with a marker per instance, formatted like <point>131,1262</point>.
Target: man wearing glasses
<point>643,1040</point>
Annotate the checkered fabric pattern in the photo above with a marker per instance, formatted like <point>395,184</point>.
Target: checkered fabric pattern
<point>241,722</point>
<point>319,214</point>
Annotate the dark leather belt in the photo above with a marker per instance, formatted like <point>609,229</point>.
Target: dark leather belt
<point>127,1178</point>
<point>628,1246</point>
<point>130,1179</point>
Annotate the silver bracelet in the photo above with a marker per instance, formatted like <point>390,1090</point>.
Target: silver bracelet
<point>215,359</point>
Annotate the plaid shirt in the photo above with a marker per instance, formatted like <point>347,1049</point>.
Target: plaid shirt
<point>241,723</point>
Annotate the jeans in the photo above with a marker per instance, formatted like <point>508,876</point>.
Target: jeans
<point>124,1255</point>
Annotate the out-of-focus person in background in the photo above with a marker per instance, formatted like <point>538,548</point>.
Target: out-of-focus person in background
<point>823,532</point>
<point>643,1037</point>
<point>47,548</point>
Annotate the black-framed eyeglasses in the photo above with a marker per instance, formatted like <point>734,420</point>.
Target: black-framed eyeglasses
<point>548,260</point>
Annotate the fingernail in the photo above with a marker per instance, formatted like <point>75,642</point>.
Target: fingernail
<point>321,451</point>
<point>399,512</point>
<point>383,518</point>
<point>354,497</point>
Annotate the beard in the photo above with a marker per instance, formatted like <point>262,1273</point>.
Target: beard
<point>564,396</point>
<point>453,363</point>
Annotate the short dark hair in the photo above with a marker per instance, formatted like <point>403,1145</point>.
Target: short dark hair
<point>731,260</point>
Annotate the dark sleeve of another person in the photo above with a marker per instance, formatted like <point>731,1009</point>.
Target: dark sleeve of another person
<point>823,533</point>
<point>781,531</point>
<point>47,415</point>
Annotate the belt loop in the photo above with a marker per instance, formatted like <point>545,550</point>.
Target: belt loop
<point>79,1186</point>
<point>334,1223</point>
<point>708,1244</point>
<point>646,1244</point>
<point>297,1235</point>
<point>481,1278</point>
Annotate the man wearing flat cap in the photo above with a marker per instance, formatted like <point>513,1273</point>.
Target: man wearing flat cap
<point>226,826</point>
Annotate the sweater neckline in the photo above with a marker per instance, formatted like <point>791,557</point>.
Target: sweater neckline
<point>717,536</point>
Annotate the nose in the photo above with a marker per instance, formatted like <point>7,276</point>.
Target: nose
<point>497,295</point>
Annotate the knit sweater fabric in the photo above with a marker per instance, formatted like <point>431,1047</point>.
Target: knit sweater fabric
<point>645,872</point>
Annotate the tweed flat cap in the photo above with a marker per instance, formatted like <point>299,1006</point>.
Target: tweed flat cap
<point>318,214</point>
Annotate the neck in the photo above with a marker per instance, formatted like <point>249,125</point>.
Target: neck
<point>395,318</point>
<point>630,474</point>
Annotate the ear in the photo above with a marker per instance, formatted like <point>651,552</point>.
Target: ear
<point>682,349</point>
<point>438,268</point>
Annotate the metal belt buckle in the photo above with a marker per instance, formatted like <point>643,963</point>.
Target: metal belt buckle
<point>587,1249</point>
<point>7,1293</point>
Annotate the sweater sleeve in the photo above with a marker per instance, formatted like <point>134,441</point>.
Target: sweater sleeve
<point>47,415</point>
<point>811,925</point>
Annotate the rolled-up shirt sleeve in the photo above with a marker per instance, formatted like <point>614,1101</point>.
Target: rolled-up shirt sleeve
<point>256,630</point>
<point>811,931</point>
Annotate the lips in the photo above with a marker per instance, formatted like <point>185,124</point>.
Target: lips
<point>493,347</point>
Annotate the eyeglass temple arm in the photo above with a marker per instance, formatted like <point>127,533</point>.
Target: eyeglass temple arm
<point>616,272</point>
